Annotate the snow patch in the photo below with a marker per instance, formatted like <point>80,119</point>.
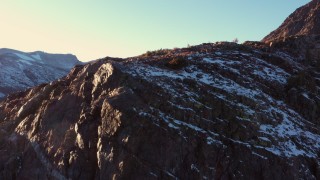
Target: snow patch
<point>306,96</point>
<point>37,57</point>
<point>220,61</point>
<point>171,175</point>
<point>263,157</point>
<point>290,131</point>
<point>210,141</point>
<point>189,126</point>
<point>24,57</point>
<point>153,174</point>
<point>194,168</point>
<point>272,74</point>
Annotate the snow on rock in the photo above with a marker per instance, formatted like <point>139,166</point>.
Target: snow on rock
<point>37,57</point>
<point>212,109</point>
<point>268,74</point>
<point>24,57</point>
<point>290,132</point>
<point>287,136</point>
<point>21,70</point>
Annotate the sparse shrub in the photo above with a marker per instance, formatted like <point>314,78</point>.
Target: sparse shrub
<point>148,54</point>
<point>161,52</point>
<point>158,52</point>
<point>302,80</point>
<point>177,63</point>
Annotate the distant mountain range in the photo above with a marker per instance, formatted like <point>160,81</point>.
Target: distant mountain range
<point>20,70</point>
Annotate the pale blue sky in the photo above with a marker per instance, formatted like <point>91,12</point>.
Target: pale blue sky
<point>122,28</point>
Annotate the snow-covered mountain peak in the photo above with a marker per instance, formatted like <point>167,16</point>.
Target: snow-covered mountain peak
<point>21,70</point>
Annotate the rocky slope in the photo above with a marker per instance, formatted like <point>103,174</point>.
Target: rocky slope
<point>20,70</point>
<point>213,111</point>
<point>304,21</point>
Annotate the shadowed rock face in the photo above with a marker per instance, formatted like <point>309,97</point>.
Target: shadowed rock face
<point>304,21</point>
<point>213,111</point>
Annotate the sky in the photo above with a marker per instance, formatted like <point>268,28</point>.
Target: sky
<point>124,28</point>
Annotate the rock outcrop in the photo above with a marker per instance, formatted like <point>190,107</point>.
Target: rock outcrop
<point>304,21</point>
<point>213,111</point>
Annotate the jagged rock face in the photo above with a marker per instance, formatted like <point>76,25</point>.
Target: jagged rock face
<point>20,70</point>
<point>306,49</point>
<point>213,111</point>
<point>304,21</point>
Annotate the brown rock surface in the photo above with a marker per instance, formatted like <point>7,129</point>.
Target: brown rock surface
<point>223,111</point>
<point>304,21</point>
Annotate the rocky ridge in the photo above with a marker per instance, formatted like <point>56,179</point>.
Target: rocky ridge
<point>211,111</point>
<point>304,21</point>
